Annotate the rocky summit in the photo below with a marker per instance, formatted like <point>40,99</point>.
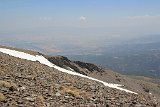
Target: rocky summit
<point>25,83</point>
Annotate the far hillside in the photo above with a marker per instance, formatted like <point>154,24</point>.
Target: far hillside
<point>139,57</point>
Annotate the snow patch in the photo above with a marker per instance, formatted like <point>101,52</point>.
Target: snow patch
<point>26,56</point>
<point>18,54</point>
<point>44,61</point>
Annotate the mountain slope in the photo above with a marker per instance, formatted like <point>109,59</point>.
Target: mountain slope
<point>107,75</point>
<point>44,61</point>
<point>30,83</point>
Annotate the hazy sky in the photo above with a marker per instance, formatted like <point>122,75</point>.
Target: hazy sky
<point>79,21</point>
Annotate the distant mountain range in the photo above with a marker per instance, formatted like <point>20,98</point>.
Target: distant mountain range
<point>138,57</point>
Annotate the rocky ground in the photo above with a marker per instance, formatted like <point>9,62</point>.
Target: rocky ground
<point>30,84</point>
<point>139,85</point>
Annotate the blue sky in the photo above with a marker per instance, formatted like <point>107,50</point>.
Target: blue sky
<point>76,7</point>
<point>97,12</point>
<point>79,21</point>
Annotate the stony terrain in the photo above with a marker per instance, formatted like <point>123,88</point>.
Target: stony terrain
<point>140,85</point>
<point>30,84</point>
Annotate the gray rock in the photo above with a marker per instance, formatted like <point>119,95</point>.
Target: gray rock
<point>93,87</point>
<point>58,94</point>
<point>31,99</point>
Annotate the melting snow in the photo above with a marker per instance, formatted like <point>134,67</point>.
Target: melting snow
<point>44,61</point>
<point>18,54</point>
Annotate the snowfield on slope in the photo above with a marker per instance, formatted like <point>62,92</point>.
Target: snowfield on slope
<point>44,61</point>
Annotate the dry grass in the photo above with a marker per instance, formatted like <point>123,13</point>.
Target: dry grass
<point>2,97</point>
<point>3,68</point>
<point>7,84</point>
<point>75,92</point>
<point>40,101</point>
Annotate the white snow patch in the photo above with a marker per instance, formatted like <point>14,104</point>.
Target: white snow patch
<point>70,68</point>
<point>26,56</point>
<point>44,61</point>
<point>18,54</point>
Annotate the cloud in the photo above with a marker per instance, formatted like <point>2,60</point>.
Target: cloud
<point>147,16</point>
<point>82,18</point>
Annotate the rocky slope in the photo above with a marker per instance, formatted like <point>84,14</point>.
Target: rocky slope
<point>138,85</point>
<point>25,83</point>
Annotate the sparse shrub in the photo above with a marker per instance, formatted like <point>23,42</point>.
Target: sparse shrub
<point>70,90</point>
<point>11,86</point>
<point>2,97</point>
<point>5,84</point>
<point>40,101</point>
<point>75,92</point>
